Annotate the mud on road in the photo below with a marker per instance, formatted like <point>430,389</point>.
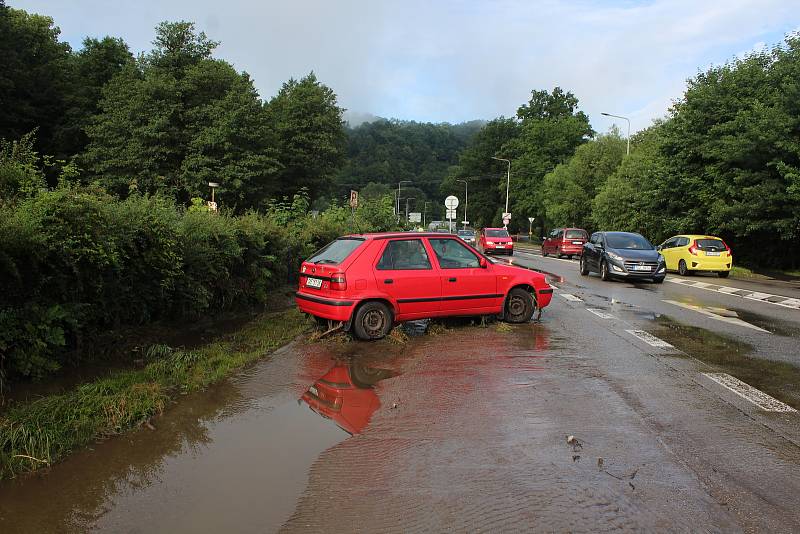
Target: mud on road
<point>462,429</point>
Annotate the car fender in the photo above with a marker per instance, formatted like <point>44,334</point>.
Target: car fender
<point>375,296</point>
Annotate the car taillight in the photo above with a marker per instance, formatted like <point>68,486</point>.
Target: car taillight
<point>727,247</point>
<point>338,282</point>
<point>693,248</point>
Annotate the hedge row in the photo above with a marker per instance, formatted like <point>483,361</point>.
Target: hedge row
<point>75,262</point>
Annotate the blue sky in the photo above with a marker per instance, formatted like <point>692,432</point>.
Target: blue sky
<point>458,60</point>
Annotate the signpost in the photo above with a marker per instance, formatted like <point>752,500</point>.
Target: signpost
<point>353,199</point>
<point>506,219</point>
<point>414,217</point>
<point>530,226</point>
<point>451,203</point>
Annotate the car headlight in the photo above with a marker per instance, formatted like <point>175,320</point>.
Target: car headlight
<point>614,255</point>
<point>490,242</point>
<point>661,259</point>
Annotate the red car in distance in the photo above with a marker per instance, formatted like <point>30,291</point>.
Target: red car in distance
<point>496,241</point>
<point>370,282</point>
<point>565,242</point>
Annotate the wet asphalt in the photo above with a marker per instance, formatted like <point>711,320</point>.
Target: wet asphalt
<point>466,428</point>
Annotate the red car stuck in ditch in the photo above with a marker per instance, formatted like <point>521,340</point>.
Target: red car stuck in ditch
<point>370,282</point>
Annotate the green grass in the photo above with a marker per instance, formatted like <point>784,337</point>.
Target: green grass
<point>39,433</point>
<point>740,272</point>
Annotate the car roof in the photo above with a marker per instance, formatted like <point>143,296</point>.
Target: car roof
<point>389,235</point>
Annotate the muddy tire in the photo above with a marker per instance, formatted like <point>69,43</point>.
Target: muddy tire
<point>723,274</point>
<point>519,306</point>
<point>604,274</point>
<point>372,321</point>
<point>682,270</point>
<point>584,269</point>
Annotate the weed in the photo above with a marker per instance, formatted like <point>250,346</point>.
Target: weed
<point>503,328</point>
<point>397,336</point>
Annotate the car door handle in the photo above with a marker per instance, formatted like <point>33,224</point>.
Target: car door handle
<point>388,281</point>
<point>451,280</point>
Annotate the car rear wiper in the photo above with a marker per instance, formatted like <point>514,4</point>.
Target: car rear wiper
<point>325,260</point>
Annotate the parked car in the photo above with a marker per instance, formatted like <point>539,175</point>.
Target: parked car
<point>370,282</point>
<point>496,241</point>
<point>622,255</point>
<point>467,235</point>
<point>565,242</point>
<point>688,253</point>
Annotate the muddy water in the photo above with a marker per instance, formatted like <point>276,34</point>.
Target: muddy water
<point>779,379</point>
<point>240,450</point>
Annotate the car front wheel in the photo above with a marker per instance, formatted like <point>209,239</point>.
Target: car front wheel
<point>373,321</point>
<point>519,306</point>
<point>584,267</point>
<point>604,274</point>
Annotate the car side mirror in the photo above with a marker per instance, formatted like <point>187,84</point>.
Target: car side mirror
<point>659,247</point>
<point>483,263</point>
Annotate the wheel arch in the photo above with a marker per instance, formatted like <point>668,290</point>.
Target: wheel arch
<point>382,300</point>
<point>527,287</point>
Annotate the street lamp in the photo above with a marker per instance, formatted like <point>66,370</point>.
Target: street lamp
<point>466,200</point>
<point>407,199</point>
<point>398,195</point>
<point>628,153</point>
<point>213,205</point>
<point>508,180</point>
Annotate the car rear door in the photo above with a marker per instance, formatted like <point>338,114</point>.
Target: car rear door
<point>466,286</point>
<point>405,272</point>
<point>669,251</point>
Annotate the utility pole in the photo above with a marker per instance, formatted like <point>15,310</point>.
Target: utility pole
<point>407,199</point>
<point>424,212</point>
<point>397,211</point>
<point>508,180</point>
<point>466,201</point>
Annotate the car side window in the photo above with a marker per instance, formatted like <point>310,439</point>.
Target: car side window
<point>453,255</point>
<point>594,238</point>
<point>669,243</point>
<point>404,254</point>
<point>560,234</point>
<point>682,242</point>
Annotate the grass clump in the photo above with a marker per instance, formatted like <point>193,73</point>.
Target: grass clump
<point>503,328</point>
<point>39,433</point>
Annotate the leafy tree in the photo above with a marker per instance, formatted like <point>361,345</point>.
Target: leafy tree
<point>571,187</point>
<point>310,134</point>
<point>33,77</point>
<point>178,119</point>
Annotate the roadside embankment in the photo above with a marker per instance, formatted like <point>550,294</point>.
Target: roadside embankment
<point>36,434</point>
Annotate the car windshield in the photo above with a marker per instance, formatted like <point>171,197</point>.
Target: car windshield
<point>628,241</point>
<point>711,244</point>
<point>496,233</point>
<point>575,234</point>
<point>466,233</point>
<point>336,251</point>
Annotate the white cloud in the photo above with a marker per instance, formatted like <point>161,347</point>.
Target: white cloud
<point>458,60</point>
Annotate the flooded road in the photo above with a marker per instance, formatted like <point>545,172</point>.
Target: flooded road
<point>571,423</point>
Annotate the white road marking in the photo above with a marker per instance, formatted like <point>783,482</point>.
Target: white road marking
<point>748,392</point>
<point>570,297</point>
<point>786,302</point>
<point>650,339</point>
<point>724,319</point>
<point>600,313</point>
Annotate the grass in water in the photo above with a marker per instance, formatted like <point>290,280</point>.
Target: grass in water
<point>39,433</point>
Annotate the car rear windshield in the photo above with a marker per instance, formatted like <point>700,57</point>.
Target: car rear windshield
<point>575,234</point>
<point>711,244</point>
<point>496,233</point>
<point>628,241</point>
<point>336,251</point>
<point>466,232</point>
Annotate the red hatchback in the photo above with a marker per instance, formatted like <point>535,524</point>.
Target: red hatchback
<point>565,242</point>
<point>371,282</point>
<point>496,241</point>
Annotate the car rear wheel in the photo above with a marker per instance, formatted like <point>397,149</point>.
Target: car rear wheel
<point>723,274</point>
<point>373,321</point>
<point>682,270</point>
<point>604,274</point>
<point>519,306</point>
<point>544,252</point>
<point>584,268</point>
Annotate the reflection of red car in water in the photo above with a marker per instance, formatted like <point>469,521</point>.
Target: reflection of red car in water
<point>345,395</point>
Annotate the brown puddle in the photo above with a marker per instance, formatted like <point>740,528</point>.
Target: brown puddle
<point>779,379</point>
<point>240,450</point>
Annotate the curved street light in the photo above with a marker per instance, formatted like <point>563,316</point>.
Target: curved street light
<point>628,153</point>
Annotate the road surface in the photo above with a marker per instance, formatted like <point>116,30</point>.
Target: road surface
<point>628,406</point>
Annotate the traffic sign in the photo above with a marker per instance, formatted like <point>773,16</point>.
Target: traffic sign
<point>506,216</point>
<point>531,219</point>
<point>353,199</point>
<point>451,214</point>
<point>451,202</point>
<point>464,222</point>
<point>414,217</point>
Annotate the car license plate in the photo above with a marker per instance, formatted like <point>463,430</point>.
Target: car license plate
<point>641,267</point>
<point>313,391</point>
<point>712,253</point>
<point>577,242</point>
<point>314,282</point>
<point>499,246</point>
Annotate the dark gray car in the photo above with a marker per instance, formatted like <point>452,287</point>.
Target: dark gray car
<point>622,255</point>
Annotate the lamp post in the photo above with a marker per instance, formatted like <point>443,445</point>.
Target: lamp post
<point>398,195</point>
<point>466,200</point>
<point>407,199</point>
<point>213,205</point>
<point>424,211</point>
<point>508,179</point>
<point>628,153</point>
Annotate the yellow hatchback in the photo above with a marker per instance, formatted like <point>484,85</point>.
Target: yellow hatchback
<point>688,253</point>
